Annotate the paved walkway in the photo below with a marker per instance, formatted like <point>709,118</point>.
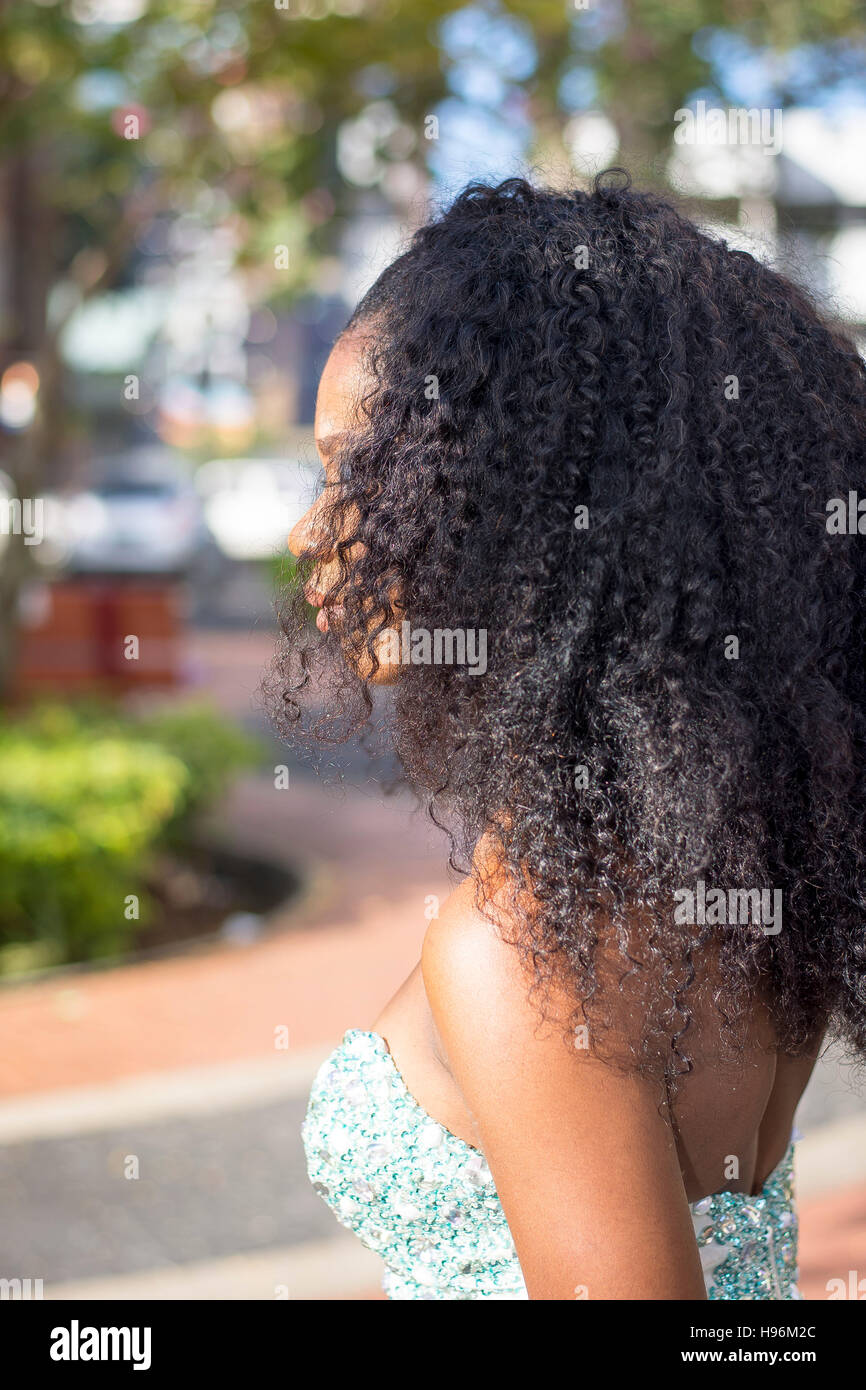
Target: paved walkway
<point>330,961</point>
<point>176,1066</point>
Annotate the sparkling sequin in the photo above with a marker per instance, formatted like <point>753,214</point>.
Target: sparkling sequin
<point>426,1202</point>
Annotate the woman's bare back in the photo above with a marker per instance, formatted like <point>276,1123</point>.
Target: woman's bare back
<point>732,1116</point>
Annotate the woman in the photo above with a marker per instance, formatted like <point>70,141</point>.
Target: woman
<point>590,509</point>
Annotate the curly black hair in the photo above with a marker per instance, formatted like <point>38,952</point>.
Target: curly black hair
<point>611,441</point>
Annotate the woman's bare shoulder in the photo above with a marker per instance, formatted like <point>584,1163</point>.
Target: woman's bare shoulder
<point>471,965</point>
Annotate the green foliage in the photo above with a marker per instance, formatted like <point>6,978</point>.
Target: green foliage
<point>85,797</point>
<point>212,750</point>
<point>281,573</point>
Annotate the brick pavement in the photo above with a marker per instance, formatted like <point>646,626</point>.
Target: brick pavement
<point>329,962</point>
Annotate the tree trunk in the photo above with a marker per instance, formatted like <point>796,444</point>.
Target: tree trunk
<point>28,236</point>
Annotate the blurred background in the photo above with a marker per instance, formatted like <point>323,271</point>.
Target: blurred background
<point>194,195</point>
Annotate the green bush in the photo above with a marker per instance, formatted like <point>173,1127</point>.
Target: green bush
<point>213,751</point>
<point>281,572</point>
<point>85,797</point>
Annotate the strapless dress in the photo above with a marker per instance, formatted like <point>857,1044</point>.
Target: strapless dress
<point>425,1200</point>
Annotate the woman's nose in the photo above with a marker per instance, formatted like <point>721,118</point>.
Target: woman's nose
<point>296,535</point>
<point>303,534</point>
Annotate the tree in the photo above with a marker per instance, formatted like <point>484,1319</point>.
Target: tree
<point>113,112</point>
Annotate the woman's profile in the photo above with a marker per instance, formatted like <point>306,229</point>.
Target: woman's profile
<point>585,468</point>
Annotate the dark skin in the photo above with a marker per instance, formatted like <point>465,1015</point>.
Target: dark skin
<point>594,1174</point>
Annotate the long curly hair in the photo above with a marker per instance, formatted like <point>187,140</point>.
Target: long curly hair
<point>610,441</point>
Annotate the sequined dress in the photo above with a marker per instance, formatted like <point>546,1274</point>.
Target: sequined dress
<point>426,1202</point>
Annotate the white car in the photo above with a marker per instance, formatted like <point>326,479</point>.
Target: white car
<point>251,504</point>
<point>143,517</point>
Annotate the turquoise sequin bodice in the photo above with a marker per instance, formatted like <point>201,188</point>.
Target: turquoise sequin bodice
<point>426,1201</point>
